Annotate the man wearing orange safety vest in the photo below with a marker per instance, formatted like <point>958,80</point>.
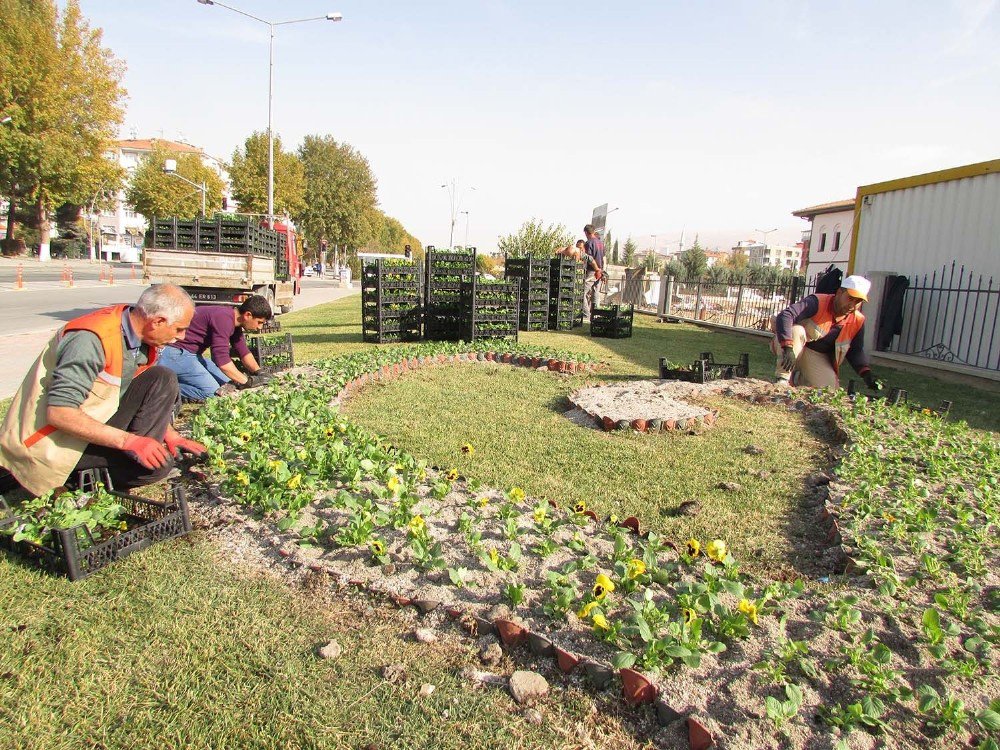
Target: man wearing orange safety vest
<point>816,334</point>
<point>96,399</point>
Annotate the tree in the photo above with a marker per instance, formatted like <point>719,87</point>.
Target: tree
<point>62,90</point>
<point>248,173</point>
<point>153,192</point>
<point>341,205</point>
<point>629,251</point>
<point>614,254</point>
<point>649,262</point>
<point>694,260</point>
<point>535,238</point>
<point>675,268</point>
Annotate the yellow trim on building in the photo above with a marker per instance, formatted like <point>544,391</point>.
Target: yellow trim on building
<point>930,178</point>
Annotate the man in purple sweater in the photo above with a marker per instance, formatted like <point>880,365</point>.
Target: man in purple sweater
<point>219,329</point>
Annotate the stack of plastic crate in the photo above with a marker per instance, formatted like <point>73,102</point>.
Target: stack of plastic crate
<point>444,314</point>
<point>391,301</point>
<point>581,277</point>
<point>491,309</point>
<point>532,275</point>
<point>563,303</point>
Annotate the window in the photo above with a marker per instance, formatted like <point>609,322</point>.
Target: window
<point>836,241</point>
<point>822,242</point>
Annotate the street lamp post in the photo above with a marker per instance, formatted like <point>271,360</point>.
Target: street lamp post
<point>270,88</point>
<point>766,232</point>
<point>455,196</point>
<point>170,167</point>
<point>466,245</point>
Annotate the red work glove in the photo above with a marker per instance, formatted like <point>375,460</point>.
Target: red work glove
<point>148,452</point>
<point>176,444</point>
<point>598,274</point>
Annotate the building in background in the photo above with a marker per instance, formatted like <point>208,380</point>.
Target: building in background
<point>780,256</point>
<point>828,239</point>
<point>122,226</point>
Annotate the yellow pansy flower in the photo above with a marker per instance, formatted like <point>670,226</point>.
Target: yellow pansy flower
<point>451,475</point>
<point>393,484</point>
<point>243,478</point>
<point>484,501</point>
<point>748,608</point>
<point>693,547</point>
<point>468,450</point>
<point>635,568</point>
<point>584,612</point>
<point>539,515</point>
<point>416,525</point>
<point>716,550</point>
<point>579,506</point>
<point>377,547</point>
<point>600,621</point>
<point>517,495</point>
<point>295,481</point>
<point>603,586</point>
<point>246,437</point>
<point>689,615</point>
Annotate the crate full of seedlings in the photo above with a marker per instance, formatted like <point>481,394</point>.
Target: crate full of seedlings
<point>391,300</point>
<point>444,314</point>
<point>580,280</point>
<point>78,533</point>
<point>532,275</point>
<point>614,322</point>
<point>704,369</point>
<point>273,352</point>
<point>491,309</point>
<point>564,305</point>
<point>729,370</point>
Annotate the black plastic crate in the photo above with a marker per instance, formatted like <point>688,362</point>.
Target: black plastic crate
<point>75,553</point>
<point>705,369</point>
<point>272,353</point>
<point>391,301</point>
<point>614,322</point>
<point>730,370</point>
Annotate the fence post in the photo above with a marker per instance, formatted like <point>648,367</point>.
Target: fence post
<point>662,304</point>
<point>739,304</point>
<point>796,289</point>
<point>697,302</point>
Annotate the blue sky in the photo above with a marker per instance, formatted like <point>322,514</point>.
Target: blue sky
<point>717,118</point>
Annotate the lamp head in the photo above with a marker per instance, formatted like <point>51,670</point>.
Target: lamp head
<point>170,165</point>
<point>329,16</point>
<point>207,2</point>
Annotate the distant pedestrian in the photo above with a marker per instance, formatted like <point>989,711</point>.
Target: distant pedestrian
<point>407,251</point>
<point>594,256</point>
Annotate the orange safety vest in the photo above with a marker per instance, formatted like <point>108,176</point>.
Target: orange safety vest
<point>819,325</point>
<point>39,455</point>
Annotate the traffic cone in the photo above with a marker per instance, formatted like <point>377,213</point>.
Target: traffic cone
<point>19,281</point>
<point>104,275</point>
<point>65,275</point>
<point>133,272</point>
<point>70,279</point>
<point>111,276</point>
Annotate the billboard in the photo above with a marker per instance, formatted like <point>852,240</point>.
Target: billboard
<point>600,218</point>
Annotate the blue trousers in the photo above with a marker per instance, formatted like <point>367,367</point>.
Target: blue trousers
<point>198,377</point>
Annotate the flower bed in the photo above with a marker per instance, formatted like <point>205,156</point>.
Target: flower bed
<point>903,648</point>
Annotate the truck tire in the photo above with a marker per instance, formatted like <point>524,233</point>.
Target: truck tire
<point>285,309</point>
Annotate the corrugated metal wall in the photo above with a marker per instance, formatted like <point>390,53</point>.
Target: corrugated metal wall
<point>945,237</point>
<point>920,229</point>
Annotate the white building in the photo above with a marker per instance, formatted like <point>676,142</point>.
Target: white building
<point>828,239</point>
<point>122,225</point>
<point>760,254</point>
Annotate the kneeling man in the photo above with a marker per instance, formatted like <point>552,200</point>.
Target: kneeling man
<point>218,328</point>
<point>95,398</point>
<point>813,336</point>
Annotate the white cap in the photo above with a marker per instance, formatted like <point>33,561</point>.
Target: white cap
<point>857,286</point>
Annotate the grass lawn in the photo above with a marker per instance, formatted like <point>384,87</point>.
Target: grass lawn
<point>175,647</point>
<point>514,419</point>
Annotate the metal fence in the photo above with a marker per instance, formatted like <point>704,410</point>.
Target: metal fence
<point>744,305</point>
<point>951,316</point>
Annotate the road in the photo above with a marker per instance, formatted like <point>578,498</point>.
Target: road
<point>31,315</point>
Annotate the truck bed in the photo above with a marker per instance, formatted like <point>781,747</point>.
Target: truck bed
<point>214,270</point>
